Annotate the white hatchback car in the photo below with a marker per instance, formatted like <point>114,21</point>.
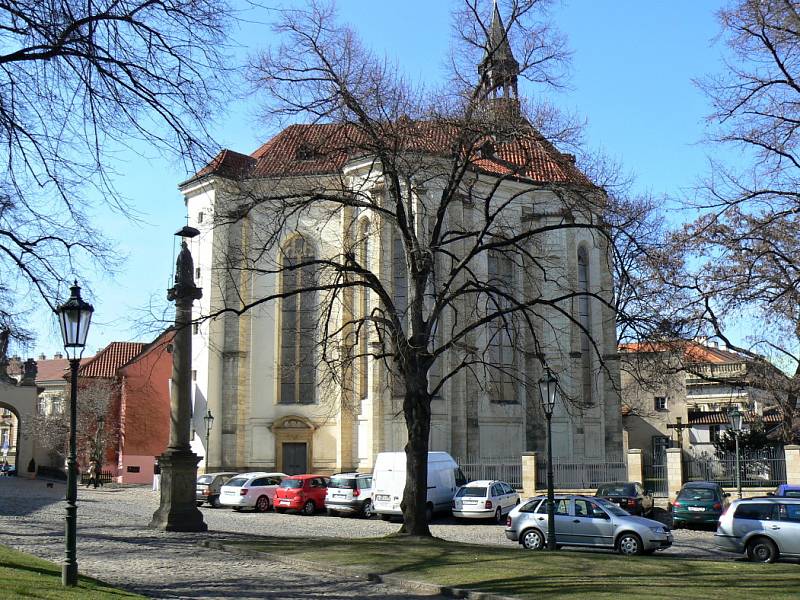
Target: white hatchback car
<point>349,493</point>
<point>251,490</point>
<point>485,500</point>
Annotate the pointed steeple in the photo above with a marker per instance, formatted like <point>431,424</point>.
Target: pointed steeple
<point>499,70</point>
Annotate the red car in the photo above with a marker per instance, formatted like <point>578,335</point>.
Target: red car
<point>303,493</point>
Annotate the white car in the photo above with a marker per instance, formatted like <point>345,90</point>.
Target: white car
<point>251,490</point>
<point>349,493</point>
<point>485,500</point>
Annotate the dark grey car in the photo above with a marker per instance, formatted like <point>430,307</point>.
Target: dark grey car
<point>586,521</point>
<point>208,487</point>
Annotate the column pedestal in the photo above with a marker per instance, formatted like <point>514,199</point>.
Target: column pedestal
<point>178,509</point>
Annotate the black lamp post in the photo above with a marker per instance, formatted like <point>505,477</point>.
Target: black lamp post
<point>74,316</point>
<point>548,390</point>
<point>735,418</point>
<point>209,420</point>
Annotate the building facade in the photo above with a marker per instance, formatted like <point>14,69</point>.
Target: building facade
<point>259,371</point>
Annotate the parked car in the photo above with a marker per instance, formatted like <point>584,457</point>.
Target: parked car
<point>764,528</point>
<point>787,491</point>
<point>251,490</point>
<point>208,488</point>
<point>629,495</point>
<point>8,470</point>
<point>698,503</point>
<point>389,480</point>
<point>586,521</point>
<point>303,493</point>
<point>349,493</point>
<point>485,500</point>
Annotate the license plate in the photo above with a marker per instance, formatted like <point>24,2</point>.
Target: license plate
<point>339,495</point>
<point>382,498</point>
<point>697,509</point>
<point>284,502</point>
<point>229,493</point>
<point>470,501</point>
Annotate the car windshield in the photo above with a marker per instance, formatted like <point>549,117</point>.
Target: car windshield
<point>292,483</point>
<point>612,508</point>
<point>617,489</point>
<point>205,479</point>
<point>696,494</point>
<point>236,482</point>
<point>471,492</point>
<point>345,483</point>
<point>791,493</point>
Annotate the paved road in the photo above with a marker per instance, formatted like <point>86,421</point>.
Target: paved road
<point>115,545</point>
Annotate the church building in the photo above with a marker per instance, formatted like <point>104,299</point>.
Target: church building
<point>259,370</point>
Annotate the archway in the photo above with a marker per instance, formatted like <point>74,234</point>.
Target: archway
<point>20,400</point>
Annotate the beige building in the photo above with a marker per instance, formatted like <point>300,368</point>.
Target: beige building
<point>258,373</point>
<point>678,395</point>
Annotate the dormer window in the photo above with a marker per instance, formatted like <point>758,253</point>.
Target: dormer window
<point>305,152</point>
<point>487,149</point>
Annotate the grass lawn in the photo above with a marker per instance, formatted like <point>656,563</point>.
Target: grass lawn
<point>25,576</point>
<point>564,574</point>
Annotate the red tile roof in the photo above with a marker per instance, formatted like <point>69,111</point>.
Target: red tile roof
<point>53,369</point>
<point>721,418</point>
<point>106,362</point>
<point>325,148</point>
<point>694,352</point>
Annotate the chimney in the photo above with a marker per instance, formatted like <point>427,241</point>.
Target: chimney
<point>58,356</point>
<point>42,357</point>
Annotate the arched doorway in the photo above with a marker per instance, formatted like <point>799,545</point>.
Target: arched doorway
<point>19,401</point>
<point>294,437</point>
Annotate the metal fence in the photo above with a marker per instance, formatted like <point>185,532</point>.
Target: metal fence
<point>503,469</point>
<point>583,475</point>
<point>103,477</point>
<point>655,478</point>
<point>762,469</point>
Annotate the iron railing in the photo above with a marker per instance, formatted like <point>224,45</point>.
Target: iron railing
<point>582,475</point>
<point>761,469</point>
<point>502,469</point>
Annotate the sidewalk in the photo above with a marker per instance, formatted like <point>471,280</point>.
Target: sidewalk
<point>115,545</point>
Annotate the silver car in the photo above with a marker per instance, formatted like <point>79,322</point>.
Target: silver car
<point>586,521</point>
<point>764,528</point>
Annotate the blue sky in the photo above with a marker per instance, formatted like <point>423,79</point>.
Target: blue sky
<point>632,72</point>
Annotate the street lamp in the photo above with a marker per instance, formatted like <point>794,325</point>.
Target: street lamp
<point>548,391</point>
<point>735,418</point>
<point>74,316</point>
<point>209,420</point>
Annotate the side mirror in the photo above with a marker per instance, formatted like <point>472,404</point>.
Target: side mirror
<point>727,494</point>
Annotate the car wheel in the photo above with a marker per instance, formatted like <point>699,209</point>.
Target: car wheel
<point>308,508</point>
<point>199,504</point>
<point>428,513</point>
<point>215,502</point>
<point>386,517</point>
<point>262,504</point>
<point>630,544</point>
<point>532,539</point>
<point>498,516</point>
<point>366,509</point>
<point>762,550</point>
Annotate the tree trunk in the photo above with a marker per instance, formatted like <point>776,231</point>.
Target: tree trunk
<point>417,412</point>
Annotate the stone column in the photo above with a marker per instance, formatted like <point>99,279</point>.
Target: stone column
<point>178,508</point>
<point>674,471</point>
<point>635,471</point>
<point>792,454</point>
<point>528,474</point>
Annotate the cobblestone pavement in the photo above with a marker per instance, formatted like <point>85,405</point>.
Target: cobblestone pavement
<point>116,546</point>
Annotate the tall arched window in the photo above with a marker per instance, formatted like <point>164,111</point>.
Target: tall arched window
<point>584,318</point>
<point>365,259</point>
<point>500,273</point>
<point>298,323</point>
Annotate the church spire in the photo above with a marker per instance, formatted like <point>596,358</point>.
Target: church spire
<point>499,69</point>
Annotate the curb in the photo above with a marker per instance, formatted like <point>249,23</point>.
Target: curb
<point>389,579</point>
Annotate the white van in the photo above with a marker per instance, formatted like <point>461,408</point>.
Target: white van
<point>389,480</point>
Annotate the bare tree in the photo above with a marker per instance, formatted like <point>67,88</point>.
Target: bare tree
<point>748,237</point>
<point>443,213</point>
<point>98,426</point>
<point>81,82</point>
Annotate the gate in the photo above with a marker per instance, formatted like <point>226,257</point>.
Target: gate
<point>655,478</point>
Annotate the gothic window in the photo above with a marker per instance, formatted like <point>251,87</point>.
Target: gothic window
<point>298,321</point>
<point>584,319</point>
<point>399,277</point>
<point>364,258</point>
<point>500,271</point>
